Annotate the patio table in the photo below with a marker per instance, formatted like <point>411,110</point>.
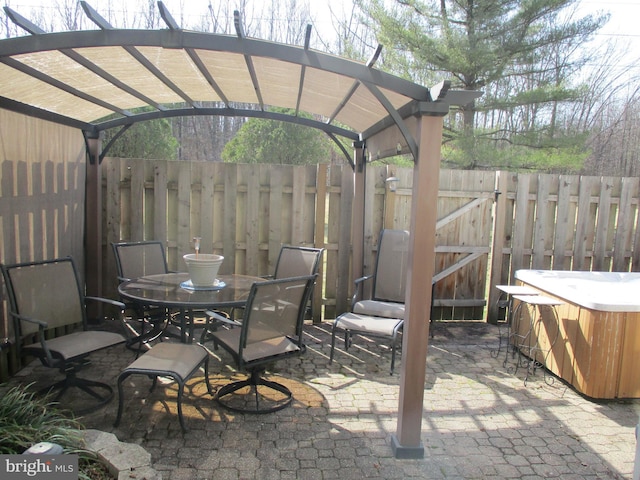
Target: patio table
<point>509,291</point>
<point>173,291</point>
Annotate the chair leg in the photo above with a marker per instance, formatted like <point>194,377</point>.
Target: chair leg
<point>394,344</point>
<point>254,380</point>
<point>121,379</point>
<point>90,387</point>
<point>180,394</point>
<point>393,353</point>
<point>181,385</point>
<point>206,376</point>
<point>333,342</point>
<point>347,340</point>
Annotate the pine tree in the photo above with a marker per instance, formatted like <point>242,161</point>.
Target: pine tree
<point>524,55</point>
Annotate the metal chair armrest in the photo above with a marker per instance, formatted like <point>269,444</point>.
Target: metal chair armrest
<point>42,326</point>
<point>358,281</point>
<point>222,319</point>
<point>357,291</point>
<point>115,303</point>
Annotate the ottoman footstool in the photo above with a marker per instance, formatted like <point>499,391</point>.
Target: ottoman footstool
<point>370,325</point>
<point>176,360</point>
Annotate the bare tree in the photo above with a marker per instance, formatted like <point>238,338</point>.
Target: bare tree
<point>70,13</point>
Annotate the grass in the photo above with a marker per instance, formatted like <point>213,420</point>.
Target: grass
<point>26,419</point>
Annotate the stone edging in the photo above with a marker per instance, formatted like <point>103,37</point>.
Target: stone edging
<point>125,461</point>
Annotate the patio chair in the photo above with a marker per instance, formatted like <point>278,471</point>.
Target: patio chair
<point>271,331</point>
<point>292,262</point>
<point>381,315</point>
<point>388,278</point>
<point>134,260</point>
<point>296,262</point>
<point>137,259</point>
<point>46,298</point>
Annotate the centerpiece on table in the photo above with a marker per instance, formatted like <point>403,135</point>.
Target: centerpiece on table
<point>203,269</point>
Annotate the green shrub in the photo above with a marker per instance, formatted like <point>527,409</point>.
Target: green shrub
<point>26,419</point>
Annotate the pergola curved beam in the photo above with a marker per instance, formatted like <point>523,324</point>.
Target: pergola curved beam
<point>224,112</point>
<point>330,130</point>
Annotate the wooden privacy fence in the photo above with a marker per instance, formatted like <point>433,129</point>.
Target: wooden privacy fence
<point>489,223</point>
<point>564,222</point>
<point>247,212</point>
<point>244,212</point>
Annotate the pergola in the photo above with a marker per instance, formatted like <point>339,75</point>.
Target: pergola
<point>112,78</point>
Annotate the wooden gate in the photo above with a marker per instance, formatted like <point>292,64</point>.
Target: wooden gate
<point>464,234</point>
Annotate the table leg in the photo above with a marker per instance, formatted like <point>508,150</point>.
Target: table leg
<point>513,332</point>
<point>503,303</point>
<point>547,349</point>
<point>529,339</point>
<point>186,326</point>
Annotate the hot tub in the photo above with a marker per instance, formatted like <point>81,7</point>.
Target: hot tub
<point>599,326</point>
<point>602,291</point>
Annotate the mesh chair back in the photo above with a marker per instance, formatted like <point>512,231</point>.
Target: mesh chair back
<point>391,266</point>
<point>275,309</point>
<point>138,259</point>
<point>297,261</point>
<point>47,291</point>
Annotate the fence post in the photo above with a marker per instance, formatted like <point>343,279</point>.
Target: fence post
<point>318,241</point>
<point>495,273</point>
<point>93,222</point>
<point>390,184</point>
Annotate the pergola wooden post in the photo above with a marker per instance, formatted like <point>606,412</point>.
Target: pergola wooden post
<point>93,219</point>
<point>357,221</point>
<point>406,443</point>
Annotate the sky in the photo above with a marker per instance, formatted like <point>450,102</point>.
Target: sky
<point>624,15</point>
<point>623,22</point>
<point>622,28</point>
<point>623,25</point>
<point>193,8</point>
<point>624,12</point>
